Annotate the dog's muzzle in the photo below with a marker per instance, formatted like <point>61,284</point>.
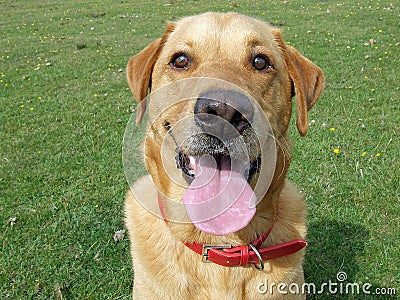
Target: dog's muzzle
<point>223,119</point>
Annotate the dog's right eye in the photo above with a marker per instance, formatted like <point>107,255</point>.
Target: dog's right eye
<point>180,61</point>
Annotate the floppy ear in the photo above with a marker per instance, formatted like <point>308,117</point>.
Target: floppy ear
<point>138,73</point>
<point>140,68</point>
<point>308,81</point>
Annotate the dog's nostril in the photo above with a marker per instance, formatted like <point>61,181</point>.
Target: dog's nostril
<point>211,111</point>
<point>213,107</point>
<point>240,122</point>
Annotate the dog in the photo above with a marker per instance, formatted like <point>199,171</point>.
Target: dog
<point>216,218</point>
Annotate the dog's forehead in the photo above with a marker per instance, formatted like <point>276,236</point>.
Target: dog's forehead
<point>214,30</point>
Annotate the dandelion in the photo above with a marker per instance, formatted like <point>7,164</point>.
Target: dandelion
<point>378,154</point>
<point>31,108</point>
<point>336,150</point>
<point>363,154</point>
<point>332,129</point>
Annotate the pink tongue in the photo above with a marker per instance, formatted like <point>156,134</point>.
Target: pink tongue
<point>219,201</point>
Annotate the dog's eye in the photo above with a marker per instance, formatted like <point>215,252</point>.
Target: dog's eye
<point>261,63</point>
<point>180,61</point>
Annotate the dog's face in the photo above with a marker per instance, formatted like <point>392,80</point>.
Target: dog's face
<point>222,88</point>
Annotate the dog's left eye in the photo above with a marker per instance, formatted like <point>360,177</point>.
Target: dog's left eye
<point>261,63</point>
<point>180,61</point>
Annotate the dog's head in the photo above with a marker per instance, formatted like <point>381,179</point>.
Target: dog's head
<point>222,88</point>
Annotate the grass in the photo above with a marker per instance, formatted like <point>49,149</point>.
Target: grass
<point>65,104</point>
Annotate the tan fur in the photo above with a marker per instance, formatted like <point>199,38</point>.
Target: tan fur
<point>164,267</point>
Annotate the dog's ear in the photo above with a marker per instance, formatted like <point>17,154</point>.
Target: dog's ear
<point>307,79</point>
<point>139,70</point>
<point>138,73</point>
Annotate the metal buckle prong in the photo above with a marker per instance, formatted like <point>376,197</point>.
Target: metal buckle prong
<point>206,247</point>
<point>261,267</point>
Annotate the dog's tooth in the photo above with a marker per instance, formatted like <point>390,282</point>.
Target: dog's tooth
<point>191,172</point>
<point>192,162</point>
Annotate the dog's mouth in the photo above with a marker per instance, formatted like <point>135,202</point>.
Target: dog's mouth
<point>245,148</point>
<point>187,164</point>
<point>219,199</point>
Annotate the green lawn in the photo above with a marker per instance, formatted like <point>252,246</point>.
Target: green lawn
<point>65,104</point>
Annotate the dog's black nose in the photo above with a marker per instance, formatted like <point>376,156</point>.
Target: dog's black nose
<point>224,114</point>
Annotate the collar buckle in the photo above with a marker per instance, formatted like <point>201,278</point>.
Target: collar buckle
<point>206,247</point>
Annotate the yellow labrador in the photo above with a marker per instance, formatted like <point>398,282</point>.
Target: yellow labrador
<point>216,218</point>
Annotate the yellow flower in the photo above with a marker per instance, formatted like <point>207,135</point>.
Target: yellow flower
<point>364,153</point>
<point>332,129</point>
<point>336,150</point>
<point>378,154</point>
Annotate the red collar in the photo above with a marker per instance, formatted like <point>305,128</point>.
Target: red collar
<point>229,256</point>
